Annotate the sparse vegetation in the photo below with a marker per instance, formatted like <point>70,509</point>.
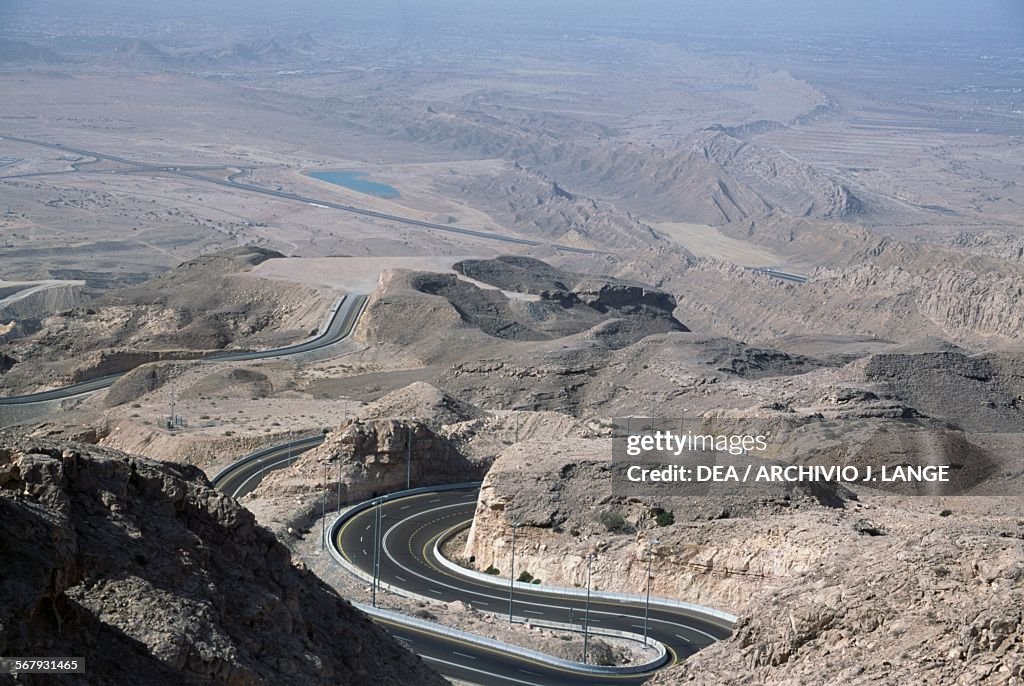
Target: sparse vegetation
<point>663,517</point>
<point>613,521</point>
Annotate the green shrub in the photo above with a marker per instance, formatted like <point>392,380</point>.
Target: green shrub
<point>665,517</point>
<point>613,521</point>
<point>492,570</point>
<point>525,577</point>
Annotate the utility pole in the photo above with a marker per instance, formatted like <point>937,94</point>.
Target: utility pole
<point>512,572</point>
<point>647,604</point>
<point>586,617</point>
<point>339,483</point>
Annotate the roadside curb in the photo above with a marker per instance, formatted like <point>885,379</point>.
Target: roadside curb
<point>724,619</point>
<point>469,637</point>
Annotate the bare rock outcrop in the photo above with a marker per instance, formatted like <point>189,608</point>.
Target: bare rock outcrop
<point>431,317</point>
<point>430,404</point>
<point>880,590</point>
<point>154,577</point>
<point>939,607</point>
<point>372,457</point>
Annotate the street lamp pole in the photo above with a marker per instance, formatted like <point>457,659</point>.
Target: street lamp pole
<point>647,603</point>
<point>586,617</point>
<point>323,512</point>
<point>376,551</point>
<point>408,458</point>
<point>512,574</point>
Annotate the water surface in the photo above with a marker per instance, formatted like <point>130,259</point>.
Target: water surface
<point>357,181</point>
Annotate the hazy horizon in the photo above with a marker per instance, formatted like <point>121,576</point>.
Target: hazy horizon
<point>908,17</point>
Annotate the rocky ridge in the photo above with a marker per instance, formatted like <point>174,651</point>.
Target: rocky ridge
<point>143,569</point>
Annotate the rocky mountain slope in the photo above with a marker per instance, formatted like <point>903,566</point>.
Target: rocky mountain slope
<point>210,303</point>
<point>711,177</point>
<point>432,316</point>
<point>156,578</point>
<point>863,590</point>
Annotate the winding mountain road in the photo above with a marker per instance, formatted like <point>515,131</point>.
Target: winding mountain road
<point>411,526</point>
<point>342,321</point>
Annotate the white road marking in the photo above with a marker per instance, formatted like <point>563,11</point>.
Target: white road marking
<point>493,595</point>
<point>480,671</point>
<point>463,655</point>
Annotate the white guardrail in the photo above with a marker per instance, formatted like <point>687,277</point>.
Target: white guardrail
<point>533,655</point>
<point>299,445</point>
<point>724,618</point>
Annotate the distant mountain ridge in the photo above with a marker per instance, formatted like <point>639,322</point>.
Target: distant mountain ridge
<point>21,52</point>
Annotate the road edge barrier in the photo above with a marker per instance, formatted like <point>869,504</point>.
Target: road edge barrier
<point>718,616</point>
<point>103,382</point>
<point>534,655</point>
<point>349,513</point>
<point>303,444</point>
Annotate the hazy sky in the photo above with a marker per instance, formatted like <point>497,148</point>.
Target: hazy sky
<point>817,16</point>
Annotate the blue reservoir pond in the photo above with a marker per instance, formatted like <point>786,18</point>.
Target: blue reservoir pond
<point>357,181</point>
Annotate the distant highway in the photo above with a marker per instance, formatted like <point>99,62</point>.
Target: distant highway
<point>785,276</point>
<point>183,171</point>
<point>31,288</point>
<point>340,326</point>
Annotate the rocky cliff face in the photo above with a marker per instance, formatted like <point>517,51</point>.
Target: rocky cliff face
<point>369,457</point>
<point>560,492</point>
<point>876,590</point>
<point>981,392</point>
<point>156,578</point>
<point>946,608</point>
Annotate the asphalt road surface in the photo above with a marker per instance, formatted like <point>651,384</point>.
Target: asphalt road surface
<point>340,326</point>
<point>410,527</point>
<point>240,478</point>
